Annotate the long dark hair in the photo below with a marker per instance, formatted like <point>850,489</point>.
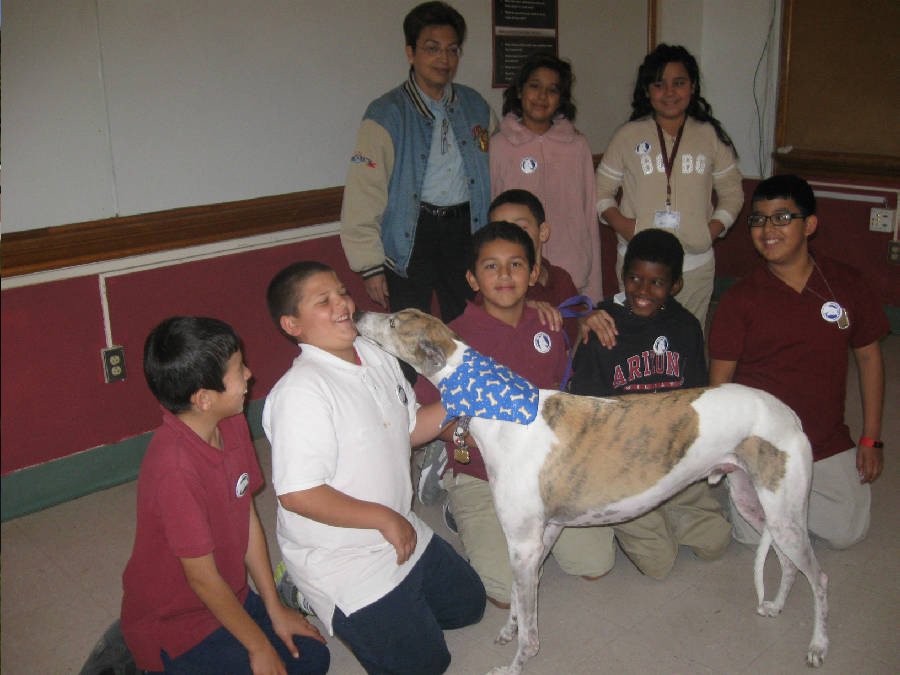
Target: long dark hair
<point>512,96</point>
<point>651,70</point>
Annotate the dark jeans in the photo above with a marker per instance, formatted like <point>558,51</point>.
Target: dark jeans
<point>402,633</point>
<point>220,652</point>
<point>439,260</point>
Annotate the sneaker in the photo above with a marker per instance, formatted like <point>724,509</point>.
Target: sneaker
<point>430,490</point>
<point>289,593</point>
<point>110,656</point>
<point>449,520</point>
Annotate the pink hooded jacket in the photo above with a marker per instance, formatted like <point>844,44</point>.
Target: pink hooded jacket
<point>557,167</point>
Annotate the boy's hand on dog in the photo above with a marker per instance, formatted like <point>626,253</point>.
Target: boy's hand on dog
<point>869,463</point>
<point>399,534</point>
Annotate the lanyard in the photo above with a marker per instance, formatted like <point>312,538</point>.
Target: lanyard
<point>667,162</point>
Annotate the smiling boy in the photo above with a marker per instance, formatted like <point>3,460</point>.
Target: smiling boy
<point>187,607</point>
<point>657,346</point>
<point>406,224</point>
<point>786,328</point>
<point>502,269</point>
<point>341,422</point>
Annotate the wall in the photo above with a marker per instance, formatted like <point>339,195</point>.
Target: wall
<point>149,130</point>
<point>117,108</point>
<point>728,39</point>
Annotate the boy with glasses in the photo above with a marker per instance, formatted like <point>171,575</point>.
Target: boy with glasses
<point>419,179</point>
<point>786,329</point>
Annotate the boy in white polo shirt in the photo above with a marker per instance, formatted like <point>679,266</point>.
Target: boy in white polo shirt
<point>342,422</point>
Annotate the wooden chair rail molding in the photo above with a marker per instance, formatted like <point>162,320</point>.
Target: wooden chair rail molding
<point>879,169</point>
<point>51,248</point>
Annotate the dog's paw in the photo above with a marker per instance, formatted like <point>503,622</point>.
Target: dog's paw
<point>505,637</point>
<point>815,657</point>
<point>499,670</point>
<point>768,608</point>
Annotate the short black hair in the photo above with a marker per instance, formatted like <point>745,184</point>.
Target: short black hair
<point>512,96</point>
<point>656,246</point>
<point>787,186</point>
<point>185,354</point>
<point>283,294</point>
<point>522,198</point>
<point>500,229</point>
<point>432,14</point>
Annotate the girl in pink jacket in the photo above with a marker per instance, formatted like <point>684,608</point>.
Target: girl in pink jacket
<point>539,149</point>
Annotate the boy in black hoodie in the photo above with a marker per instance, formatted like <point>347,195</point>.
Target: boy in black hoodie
<point>654,344</point>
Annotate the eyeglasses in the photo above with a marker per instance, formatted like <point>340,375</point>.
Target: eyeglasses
<point>778,219</point>
<point>452,52</point>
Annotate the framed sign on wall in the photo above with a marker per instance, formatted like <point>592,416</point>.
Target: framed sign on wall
<point>520,28</point>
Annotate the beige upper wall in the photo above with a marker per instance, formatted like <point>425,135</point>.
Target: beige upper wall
<point>116,108</point>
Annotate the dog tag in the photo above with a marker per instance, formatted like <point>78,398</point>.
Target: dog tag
<point>461,454</point>
<point>843,321</point>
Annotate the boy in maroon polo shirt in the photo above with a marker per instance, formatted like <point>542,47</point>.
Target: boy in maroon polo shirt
<point>551,287</point>
<point>187,607</point>
<point>786,329</point>
<point>504,328</point>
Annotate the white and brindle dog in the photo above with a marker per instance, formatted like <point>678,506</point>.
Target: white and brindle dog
<point>596,461</point>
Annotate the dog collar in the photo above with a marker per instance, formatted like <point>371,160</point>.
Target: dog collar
<point>481,387</point>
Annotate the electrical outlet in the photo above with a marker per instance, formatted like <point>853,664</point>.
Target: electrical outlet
<point>113,364</point>
<point>881,220</point>
<point>894,252</point>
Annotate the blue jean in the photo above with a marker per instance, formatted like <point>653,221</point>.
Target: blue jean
<point>403,631</point>
<point>220,652</point>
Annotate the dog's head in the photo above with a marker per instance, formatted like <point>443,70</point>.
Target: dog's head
<point>420,339</point>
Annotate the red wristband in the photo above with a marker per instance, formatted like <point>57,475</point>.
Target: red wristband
<point>871,442</point>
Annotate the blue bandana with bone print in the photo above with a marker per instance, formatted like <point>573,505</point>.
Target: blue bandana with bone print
<point>481,387</point>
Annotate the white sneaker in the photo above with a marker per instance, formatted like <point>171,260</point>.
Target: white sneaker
<point>289,593</point>
<point>430,490</point>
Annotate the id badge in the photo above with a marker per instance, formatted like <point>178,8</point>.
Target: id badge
<point>669,220</point>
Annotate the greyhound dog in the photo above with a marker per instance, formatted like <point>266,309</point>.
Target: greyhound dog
<point>594,461</point>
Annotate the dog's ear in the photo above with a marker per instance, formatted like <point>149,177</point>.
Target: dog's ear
<point>431,356</point>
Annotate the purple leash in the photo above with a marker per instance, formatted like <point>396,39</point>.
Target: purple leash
<point>565,308</point>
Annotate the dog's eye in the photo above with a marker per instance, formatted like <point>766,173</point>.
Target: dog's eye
<point>392,322</point>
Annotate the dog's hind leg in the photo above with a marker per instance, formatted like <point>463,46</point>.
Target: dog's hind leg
<point>745,499</point>
<point>762,552</point>
<point>788,574</point>
<point>792,540</point>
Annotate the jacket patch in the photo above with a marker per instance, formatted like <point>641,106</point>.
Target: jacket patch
<point>359,158</point>
<point>480,134</point>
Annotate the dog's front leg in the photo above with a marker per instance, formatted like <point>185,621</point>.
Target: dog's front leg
<point>509,629</point>
<point>526,558</point>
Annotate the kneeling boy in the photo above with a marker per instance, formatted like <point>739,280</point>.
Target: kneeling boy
<point>657,345</point>
<point>342,422</point>
<point>503,327</point>
<point>187,607</point>
<point>786,328</point>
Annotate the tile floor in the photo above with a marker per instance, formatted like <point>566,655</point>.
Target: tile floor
<point>62,568</point>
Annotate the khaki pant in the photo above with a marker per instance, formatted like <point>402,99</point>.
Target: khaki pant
<point>838,504</point>
<point>693,517</point>
<point>585,551</point>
